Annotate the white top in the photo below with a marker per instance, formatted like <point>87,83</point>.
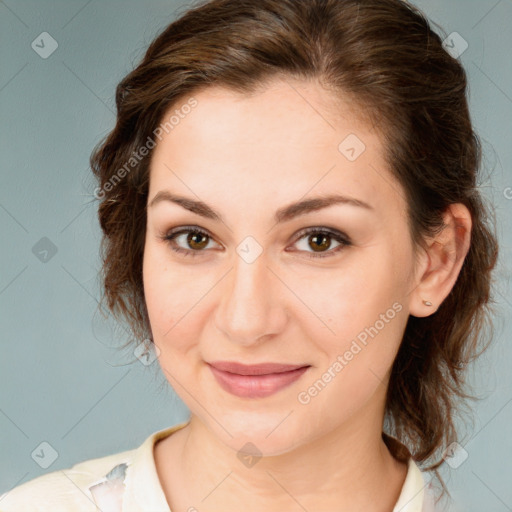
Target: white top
<point>128,482</point>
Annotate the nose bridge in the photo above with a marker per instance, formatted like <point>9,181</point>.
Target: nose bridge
<point>247,310</point>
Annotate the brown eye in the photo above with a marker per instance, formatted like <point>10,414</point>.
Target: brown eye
<point>196,240</point>
<point>194,243</point>
<point>318,242</point>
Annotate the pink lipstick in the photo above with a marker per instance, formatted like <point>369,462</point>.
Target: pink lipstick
<point>255,381</point>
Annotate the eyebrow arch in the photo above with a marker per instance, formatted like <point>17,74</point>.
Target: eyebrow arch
<point>282,215</point>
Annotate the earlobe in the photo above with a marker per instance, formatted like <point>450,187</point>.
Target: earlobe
<point>444,257</point>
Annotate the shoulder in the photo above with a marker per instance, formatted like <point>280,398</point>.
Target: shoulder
<point>129,476</point>
<point>66,489</point>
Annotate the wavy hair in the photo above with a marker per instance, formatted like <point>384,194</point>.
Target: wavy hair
<point>386,57</point>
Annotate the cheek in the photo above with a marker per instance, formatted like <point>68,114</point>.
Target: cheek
<point>349,298</point>
<point>173,299</point>
<point>161,295</point>
<point>355,366</point>
<point>359,316</point>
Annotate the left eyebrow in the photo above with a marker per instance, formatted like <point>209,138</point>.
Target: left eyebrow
<point>284,214</point>
<point>310,205</point>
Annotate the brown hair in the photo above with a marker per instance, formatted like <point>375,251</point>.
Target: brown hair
<point>386,57</point>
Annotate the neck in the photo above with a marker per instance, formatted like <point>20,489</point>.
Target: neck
<point>348,469</point>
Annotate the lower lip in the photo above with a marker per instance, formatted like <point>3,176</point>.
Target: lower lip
<point>256,386</point>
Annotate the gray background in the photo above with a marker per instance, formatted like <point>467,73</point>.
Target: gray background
<point>64,382</point>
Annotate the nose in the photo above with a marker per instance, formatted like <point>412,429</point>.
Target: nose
<point>252,302</point>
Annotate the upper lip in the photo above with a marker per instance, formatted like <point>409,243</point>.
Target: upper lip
<point>255,369</point>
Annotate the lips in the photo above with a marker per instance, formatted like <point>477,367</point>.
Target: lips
<point>254,369</point>
<point>255,381</point>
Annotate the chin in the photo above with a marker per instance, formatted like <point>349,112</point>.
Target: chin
<point>265,433</point>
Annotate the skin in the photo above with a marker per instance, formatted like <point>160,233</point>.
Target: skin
<point>247,156</point>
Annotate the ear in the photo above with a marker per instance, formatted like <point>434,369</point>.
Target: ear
<point>439,266</point>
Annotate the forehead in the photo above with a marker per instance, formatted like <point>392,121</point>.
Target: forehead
<point>280,113</point>
<point>291,138</point>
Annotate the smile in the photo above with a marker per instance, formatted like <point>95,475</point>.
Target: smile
<point>252,382</point>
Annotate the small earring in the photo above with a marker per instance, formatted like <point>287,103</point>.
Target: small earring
<point>427,303</point>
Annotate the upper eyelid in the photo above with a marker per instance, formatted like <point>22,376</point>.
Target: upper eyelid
<point>180,230</point>
<point>321,229</point>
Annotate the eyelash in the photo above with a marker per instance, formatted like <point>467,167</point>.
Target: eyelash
<point>334,234</point>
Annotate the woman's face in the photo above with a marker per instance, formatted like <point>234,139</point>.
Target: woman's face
<point>253,287</point>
